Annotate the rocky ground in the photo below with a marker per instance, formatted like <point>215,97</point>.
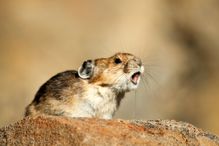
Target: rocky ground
<point>85,131</point>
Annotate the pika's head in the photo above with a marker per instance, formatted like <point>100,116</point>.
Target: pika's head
<point>121,71</point>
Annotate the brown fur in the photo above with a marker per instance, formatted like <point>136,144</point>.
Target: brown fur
<point>66,92</point>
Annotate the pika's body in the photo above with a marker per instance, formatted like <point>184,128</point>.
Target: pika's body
<point>95,90</point>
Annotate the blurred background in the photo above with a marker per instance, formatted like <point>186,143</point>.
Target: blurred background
<point>177,40</point>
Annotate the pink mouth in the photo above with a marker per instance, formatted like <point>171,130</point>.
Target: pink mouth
<point>135,77</point>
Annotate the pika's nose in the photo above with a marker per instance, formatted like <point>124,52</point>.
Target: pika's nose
<point>138,61</point>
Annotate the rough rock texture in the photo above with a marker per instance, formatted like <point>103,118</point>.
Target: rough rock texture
<point>84,131</point>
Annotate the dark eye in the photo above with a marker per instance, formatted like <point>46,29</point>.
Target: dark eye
<point>117,61</point>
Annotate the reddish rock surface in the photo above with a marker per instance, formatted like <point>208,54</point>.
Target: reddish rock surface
<point>84,131</point>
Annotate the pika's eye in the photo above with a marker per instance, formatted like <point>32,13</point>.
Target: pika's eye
<point>117,61</point>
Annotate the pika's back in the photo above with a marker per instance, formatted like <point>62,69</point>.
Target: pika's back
<point>59,88</point>
<point>56,86</point>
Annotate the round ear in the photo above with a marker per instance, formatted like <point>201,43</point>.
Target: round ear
<point>86,70</point>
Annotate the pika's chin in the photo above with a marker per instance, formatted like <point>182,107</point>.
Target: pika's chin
<point>135,78</point>
<point>132,80</point>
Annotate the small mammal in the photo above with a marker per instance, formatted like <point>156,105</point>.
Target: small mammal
<point>95,90</point>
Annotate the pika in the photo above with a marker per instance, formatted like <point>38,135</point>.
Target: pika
<point>94,90</point>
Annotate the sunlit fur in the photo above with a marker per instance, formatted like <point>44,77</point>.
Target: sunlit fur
<point>66,94</point>
<point>117,76</point>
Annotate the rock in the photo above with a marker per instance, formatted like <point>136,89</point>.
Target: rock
<point>88,131</point>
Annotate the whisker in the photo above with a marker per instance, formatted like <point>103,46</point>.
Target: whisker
<point>117,79</point>
<point>151,77</point>
<point>151,66</point>
<point>146,67</point>
<point>145,82</point>
<point>135,105</point>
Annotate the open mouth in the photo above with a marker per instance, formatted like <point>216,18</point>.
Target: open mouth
<point>135,77</point>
